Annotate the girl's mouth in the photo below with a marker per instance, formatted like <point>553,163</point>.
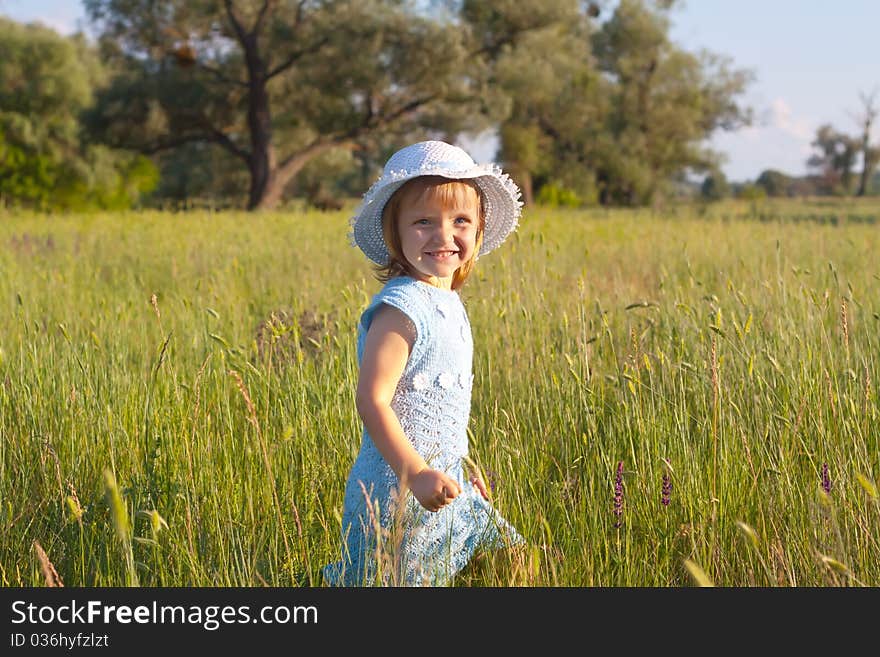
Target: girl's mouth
<point>441,254</point>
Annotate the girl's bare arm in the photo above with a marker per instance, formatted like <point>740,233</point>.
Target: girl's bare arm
<point>387,348</point>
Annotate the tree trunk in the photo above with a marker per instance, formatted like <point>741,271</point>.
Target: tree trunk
<point>866,169</point>
<point>262,160</point>
<point>280,176</point>
<point>863,182</point>
<point>871,112</point>
<point>267,196</point>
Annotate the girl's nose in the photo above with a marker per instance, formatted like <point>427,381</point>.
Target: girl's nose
<point>446,233</point>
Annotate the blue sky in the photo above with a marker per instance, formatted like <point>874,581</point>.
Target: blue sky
<point>811,59</point>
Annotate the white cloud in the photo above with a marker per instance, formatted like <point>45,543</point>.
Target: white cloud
<point>783,119</point>
<point>778,139</point>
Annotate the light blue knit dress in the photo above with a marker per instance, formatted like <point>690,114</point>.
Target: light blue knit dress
<point>404,544</point>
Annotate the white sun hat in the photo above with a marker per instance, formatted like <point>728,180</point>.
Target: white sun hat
<point>501,196</point>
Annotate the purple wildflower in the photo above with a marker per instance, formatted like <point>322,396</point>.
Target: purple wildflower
<point>826,478</point>
<point>491,478</point>
<point>666,491</point>
<point>618,495</point>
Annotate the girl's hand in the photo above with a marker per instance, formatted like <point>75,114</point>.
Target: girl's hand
<point>477,481</point>
<point>433,489</point>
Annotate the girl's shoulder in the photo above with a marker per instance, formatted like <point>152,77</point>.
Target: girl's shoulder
<point>401,292</point>
<point>401,288</point>
<point>416,299</point>
<point>414,291</point>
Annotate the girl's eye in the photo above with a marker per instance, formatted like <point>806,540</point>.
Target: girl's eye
<point>422,222</point>
<point>462,220</point>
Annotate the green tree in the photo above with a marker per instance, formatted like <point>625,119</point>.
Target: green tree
<point>46,81</point>
<point>276,83</point>
<point>612,111</point>
<point>715,187</point>
<point>665,102</point>
<point>751,192</point>
<point>775,183</point>
<point>835,159</point>
<point>198,173</point>
<point>870,153</point>
<point>558,105</point>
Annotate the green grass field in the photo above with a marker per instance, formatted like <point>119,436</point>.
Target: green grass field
<point>202,436</point>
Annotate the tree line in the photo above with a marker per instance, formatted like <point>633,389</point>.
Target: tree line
<point>841,165</point>
<point>837,153</point>
<point>254,102</point>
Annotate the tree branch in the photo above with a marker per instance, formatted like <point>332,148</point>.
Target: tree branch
<point>209,133</point>
<point>217,73</point>
<point>291,60</point>
<point>236,24</point>
<point>221,138</point>
<point>258,24</point>
<point>391,117</point>
<point>167,142</point>
<point>293,163</point>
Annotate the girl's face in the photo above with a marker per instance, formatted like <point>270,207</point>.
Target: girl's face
<point>437,234</point>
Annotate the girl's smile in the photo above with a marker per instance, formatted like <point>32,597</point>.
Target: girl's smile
<point>437,239</point>
<point>441,255</point>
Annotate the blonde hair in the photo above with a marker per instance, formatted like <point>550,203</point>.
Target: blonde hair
<point>447,191</point>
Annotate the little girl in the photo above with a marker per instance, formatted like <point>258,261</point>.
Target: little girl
<point>424,222</point>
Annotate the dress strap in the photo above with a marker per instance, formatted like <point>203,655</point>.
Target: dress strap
<point>409,297</point>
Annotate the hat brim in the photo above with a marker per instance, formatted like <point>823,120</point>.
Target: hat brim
<point>501,208</point>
